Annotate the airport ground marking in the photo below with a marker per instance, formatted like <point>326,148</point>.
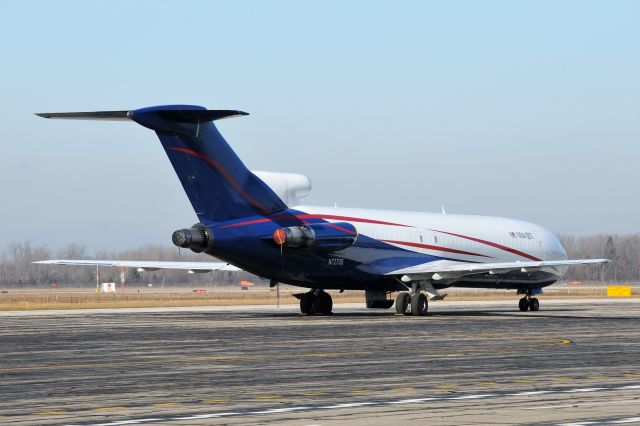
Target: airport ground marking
<point>486,383</point>
<point>609,421</point>
<point>216,401</point>
<point>268,396</point>
<point>179,360</point>
<point>382,403</point>
<point>165,404</point>
<point>51,413</point>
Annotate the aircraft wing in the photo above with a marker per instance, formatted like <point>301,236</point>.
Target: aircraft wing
<point>147,265</point>
<point>446,269</point>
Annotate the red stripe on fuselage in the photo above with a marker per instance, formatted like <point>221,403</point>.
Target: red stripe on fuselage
<point>492,244</point>
<point>316,216</point>
<point>225,174</point>
<point>436,248</point>
<point>379,222</point>
<point>349,219</point>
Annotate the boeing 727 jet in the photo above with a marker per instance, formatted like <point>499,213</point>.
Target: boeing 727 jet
<point>253,221</point>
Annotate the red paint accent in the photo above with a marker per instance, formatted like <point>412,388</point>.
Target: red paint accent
<point>348,219</point>
<point>437,248</point>
<point>250,222</point>
<point>279,236</point>
<point>225,174</point>
<point>316,216</point>
<point>492,244</point>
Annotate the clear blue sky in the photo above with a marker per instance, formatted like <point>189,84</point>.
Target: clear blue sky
<point>520,109</point>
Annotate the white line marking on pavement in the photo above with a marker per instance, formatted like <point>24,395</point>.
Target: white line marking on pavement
<point>627,420</point>
<point>583,390</point>
<point>205,416</point>
<point>485,395</point>
<point>527,393</point>
<point>347,405</point>
<point>413,401</point>
<point>380,403</point>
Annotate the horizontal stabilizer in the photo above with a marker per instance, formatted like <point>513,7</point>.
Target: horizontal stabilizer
<point>96,115</point>
<point>174,113</point>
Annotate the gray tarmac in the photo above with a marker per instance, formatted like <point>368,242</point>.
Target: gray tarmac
<point>574,361</point>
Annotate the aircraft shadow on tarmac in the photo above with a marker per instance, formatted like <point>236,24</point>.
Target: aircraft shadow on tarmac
<point>550,313</point>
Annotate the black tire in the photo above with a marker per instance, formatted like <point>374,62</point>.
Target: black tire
<point>523,304</point>
<point>323,304</point>
<point>306,303</point>
<point>534,304</point>
<point>402,302</point>
<point>419,304</point>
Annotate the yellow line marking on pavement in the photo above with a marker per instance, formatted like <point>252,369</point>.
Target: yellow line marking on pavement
<point>403,389</point>
<point>181,360</point>
<point>216,401</point>
<point>315,393</point>
<point>110,408</point>
<point>165,404</point>
<point>268,396</point>
<point>631,374</point>
<point>360,391</point>
<point>451,385</point>
<point>50,413</point>
<point>598,377</point>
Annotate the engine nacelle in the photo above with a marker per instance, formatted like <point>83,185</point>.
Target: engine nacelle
<point>325,237</point>
<point>198,238</point>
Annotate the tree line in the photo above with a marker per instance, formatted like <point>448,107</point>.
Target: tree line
<point>16,269</point>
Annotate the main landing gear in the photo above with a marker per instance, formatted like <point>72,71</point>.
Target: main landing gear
<point>316,302</point>
<point>415,304</point>
<point>528,302</point>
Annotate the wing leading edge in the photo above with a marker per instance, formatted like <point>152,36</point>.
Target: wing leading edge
<point>144,265</point>
<point>447,269</point>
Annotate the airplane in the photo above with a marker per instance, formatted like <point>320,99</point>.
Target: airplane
<point>261,228</point>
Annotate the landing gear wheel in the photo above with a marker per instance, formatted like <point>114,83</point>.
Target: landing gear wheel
<point>523,304</point>
<point>322,303</point>
<point>534,305</point>
<point>419,304</point>
<point>402,302</point>
<point>306,303</point>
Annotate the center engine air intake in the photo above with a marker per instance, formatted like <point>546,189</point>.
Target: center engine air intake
<point>325,237</point>
<point>198,238</point>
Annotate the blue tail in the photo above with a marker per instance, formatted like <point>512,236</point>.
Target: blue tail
<point>218,184</point>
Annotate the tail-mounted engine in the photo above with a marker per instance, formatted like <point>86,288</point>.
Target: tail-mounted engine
<point>326,237</point>
<point>198,238</point>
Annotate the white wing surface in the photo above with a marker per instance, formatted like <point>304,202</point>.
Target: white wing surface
<point>147,265</point>
<point>448,269</point>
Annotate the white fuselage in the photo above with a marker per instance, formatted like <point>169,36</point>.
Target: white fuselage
<point>463,237</point>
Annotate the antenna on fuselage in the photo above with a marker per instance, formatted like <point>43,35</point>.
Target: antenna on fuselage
<point>443,212</point>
